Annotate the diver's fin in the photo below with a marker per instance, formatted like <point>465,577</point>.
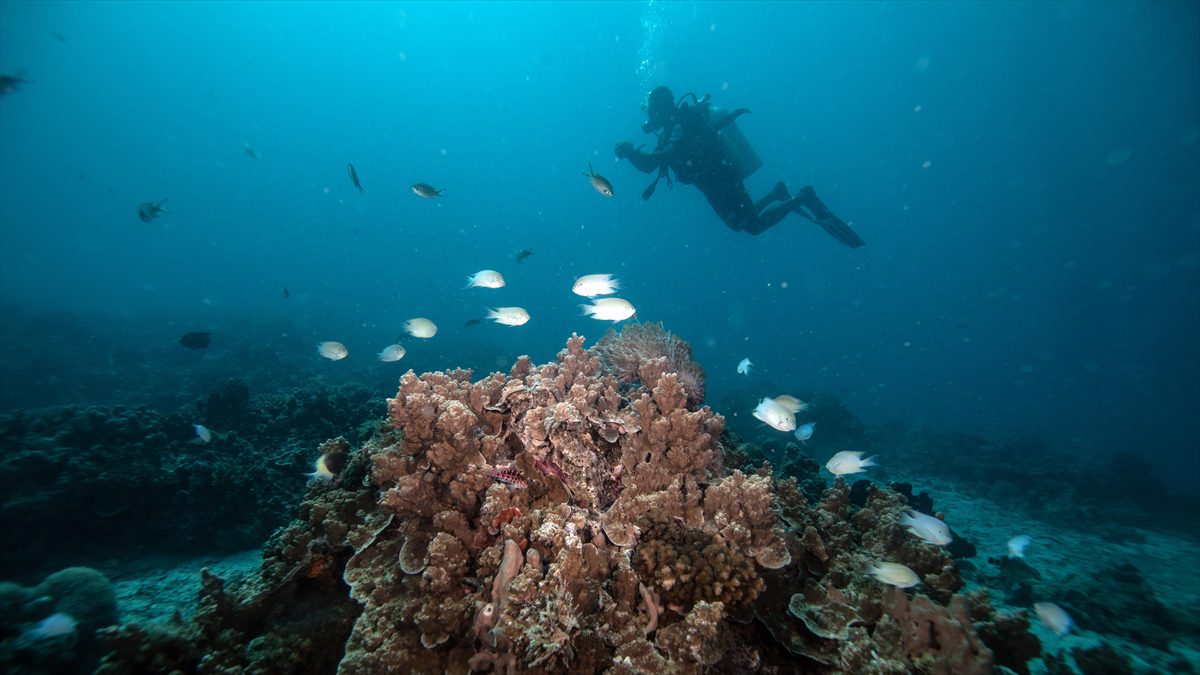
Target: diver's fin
<point>829,222</point>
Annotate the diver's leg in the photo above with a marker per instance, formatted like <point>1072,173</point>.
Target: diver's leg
<point>838,229</point>
<point>763,221</point>
<point>779,193</point>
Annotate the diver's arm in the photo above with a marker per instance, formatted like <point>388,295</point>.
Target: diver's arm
<point>646,162</point>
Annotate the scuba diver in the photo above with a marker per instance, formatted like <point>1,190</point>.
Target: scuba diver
<point>701,144</point>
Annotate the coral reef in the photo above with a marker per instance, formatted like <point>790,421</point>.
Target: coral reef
<point>95,483</point>
<point>83,594</point>
<point>552,520</point>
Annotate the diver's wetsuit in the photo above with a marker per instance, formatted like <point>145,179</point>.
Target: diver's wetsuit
<point>692,148</point>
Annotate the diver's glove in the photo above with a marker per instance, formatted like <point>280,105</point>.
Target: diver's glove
<point>624,150</point>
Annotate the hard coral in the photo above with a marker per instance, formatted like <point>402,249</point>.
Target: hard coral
<point>642,352</point>
<point>419,560</point>
<point>689,566</point>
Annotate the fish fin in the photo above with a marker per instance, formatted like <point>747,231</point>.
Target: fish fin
<point>492,314</point>
<point>870,461</point>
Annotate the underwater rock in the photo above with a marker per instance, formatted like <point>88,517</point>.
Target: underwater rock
<point>1118,601</point>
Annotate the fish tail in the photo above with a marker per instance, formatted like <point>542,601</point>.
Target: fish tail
<point>588,310</point>
<point>870,461</point>
<point>492,314</point>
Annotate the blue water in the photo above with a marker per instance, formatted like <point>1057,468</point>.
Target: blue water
<point>1025,175</point>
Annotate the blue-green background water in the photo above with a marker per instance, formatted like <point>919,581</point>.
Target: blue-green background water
<point>1025,174</point>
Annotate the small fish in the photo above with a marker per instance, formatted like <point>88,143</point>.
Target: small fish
<point>774,415</point>
<point>927,528</point>
<point>250,152</point>
<point>54,625</point>
<point>1054,617</point>
<point>805,431</point>
<point>354,178</point>
<point>509,316</point>
<point>420,328</point>
<point>426,190</point>
<point>202,433</point>
<point>60,37</point>
<point>743,366</point>
<point>523,254</point>
<point>894,574</point>
<point>485,279</point>
<point>334,351</point>
<point>1017,546</point>
<point>600,183</point>
<point>392,353</point>
<point>847,462</point>
<point>196,340</point>
<point>609,309</point>
<point>286,293</point>
<point>591,285</point>
<point>791,403</point>
<point>510,476</point>
<point>322,472</point>
<point>148,211</point>
<point>471,323</point>
<point>11,83</point>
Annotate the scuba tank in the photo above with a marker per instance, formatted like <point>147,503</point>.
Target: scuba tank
<point>737,148</point>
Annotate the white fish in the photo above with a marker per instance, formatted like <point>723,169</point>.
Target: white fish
<point>848,462</point>
<point>392,353</point>
<point>927,528</point>
<point>609,309</point>
<point>322,472</point>
<point>774,415</point>
<point>744,366</point>
<point>509,316</point>
<point>420,327</point>
<point>54,625</point>
<point>791,403</point>
<point>485,279</point>
<point>805,431</point>
<point>895,574</point>
<point>1017,545</point>
<point>204,434</point>
<point>334,351</point>
<point>591,285</point>
<point>1054,617</point>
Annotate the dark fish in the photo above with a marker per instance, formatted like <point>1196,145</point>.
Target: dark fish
<point>472,322</point>
<point>148,211</point>
<point>600,183</point>
<point>250,152</point>
<point>286,294</point>
<point>354,178</point>
<point>523,254</point>
<point>60,38</point>
<point>197,340</point>
<point>11,83</point>
<point>426,190</point>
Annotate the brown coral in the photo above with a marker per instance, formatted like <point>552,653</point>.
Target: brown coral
<point>427,564</point>
<point>688,566</point>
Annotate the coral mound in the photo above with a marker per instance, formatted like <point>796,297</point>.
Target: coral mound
<point>554,520</point>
